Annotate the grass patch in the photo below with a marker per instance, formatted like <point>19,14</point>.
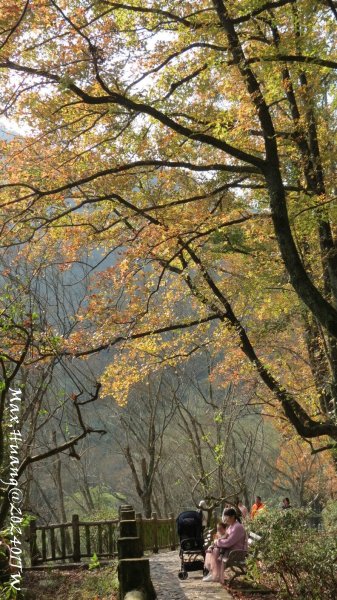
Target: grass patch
<point>100,584</point>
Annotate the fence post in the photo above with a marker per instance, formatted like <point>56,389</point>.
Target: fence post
<point>52,543</point>
<point>139,520</point>
<point>76,538</point>
<point>172,530</point>
<point>63,542</point>
<point>34,553</point>
<point>155,532</point>
<point>133,567</point>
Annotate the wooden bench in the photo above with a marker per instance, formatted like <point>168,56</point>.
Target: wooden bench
<point>253,538</point>
<point>236,561</point>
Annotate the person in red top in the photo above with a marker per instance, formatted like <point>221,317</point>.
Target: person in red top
<point>257,506</point>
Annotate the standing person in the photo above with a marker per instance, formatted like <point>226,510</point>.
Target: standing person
<point>226,506</point>
<point>257,506</point>
<point>243,509</point>
<point>212,562</point>
<point>204,514</point>
<point>285,503</point>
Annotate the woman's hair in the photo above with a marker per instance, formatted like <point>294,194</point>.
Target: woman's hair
<point>231,512</point>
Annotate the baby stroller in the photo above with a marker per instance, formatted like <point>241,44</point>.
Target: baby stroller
<point>191,552</point>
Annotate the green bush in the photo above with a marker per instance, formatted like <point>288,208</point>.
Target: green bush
<point>294,558</point>
<point>329,515</point>
<point>94,562</point>
<point>7,592</point>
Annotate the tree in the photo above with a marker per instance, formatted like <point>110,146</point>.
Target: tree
<point>220,439</point>
<point>303,476</point>
<point>45,393</point>
<point>140,434</point>
<point>195,143</point>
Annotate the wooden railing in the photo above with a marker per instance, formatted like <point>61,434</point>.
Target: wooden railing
<point>77,539</point>
<point>72,541</point>
<point>157,534</point>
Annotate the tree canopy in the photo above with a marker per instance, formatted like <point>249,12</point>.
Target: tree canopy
<point>187,149</point>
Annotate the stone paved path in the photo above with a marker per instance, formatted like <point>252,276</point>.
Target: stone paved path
<point>164,573</point>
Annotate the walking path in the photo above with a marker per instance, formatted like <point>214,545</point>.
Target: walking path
<point>164,574</point>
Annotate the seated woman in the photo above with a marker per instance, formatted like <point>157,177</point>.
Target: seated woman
<point>212,562</point>
<point>235,539</point>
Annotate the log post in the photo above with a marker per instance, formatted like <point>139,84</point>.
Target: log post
<point>63,542</point>
<point>140,529</point>
<point>52,542</point>
<point>43,545</point>
<point>87,540</point>
<point>134,575</point>
<point>155,532</point>
<point>34,553</point>
<point>172,531</point>
<point>76,538</point>
<point>100,540</point>
<point>133,568</point>
<point>110,540</point>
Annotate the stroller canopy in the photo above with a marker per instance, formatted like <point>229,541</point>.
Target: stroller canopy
<point>189,524</point>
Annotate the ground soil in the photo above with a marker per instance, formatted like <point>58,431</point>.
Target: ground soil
<point>240,590</point>
<point>101,584</point>
<point>71,585</point>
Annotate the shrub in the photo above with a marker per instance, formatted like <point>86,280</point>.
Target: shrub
<point>7,592</point>
<point>94,562</point>
<point>329,515</point>
<point>298,560</point>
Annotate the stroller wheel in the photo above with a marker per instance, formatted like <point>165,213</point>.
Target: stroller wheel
<point>182,575</point>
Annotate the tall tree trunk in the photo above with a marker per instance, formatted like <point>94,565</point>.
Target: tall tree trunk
<point>147,505</point>
<point>60,492</point>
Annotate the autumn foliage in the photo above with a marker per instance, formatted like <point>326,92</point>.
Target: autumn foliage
<point>184,152</point>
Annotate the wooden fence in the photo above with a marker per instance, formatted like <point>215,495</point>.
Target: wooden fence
<point>77,539</point>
